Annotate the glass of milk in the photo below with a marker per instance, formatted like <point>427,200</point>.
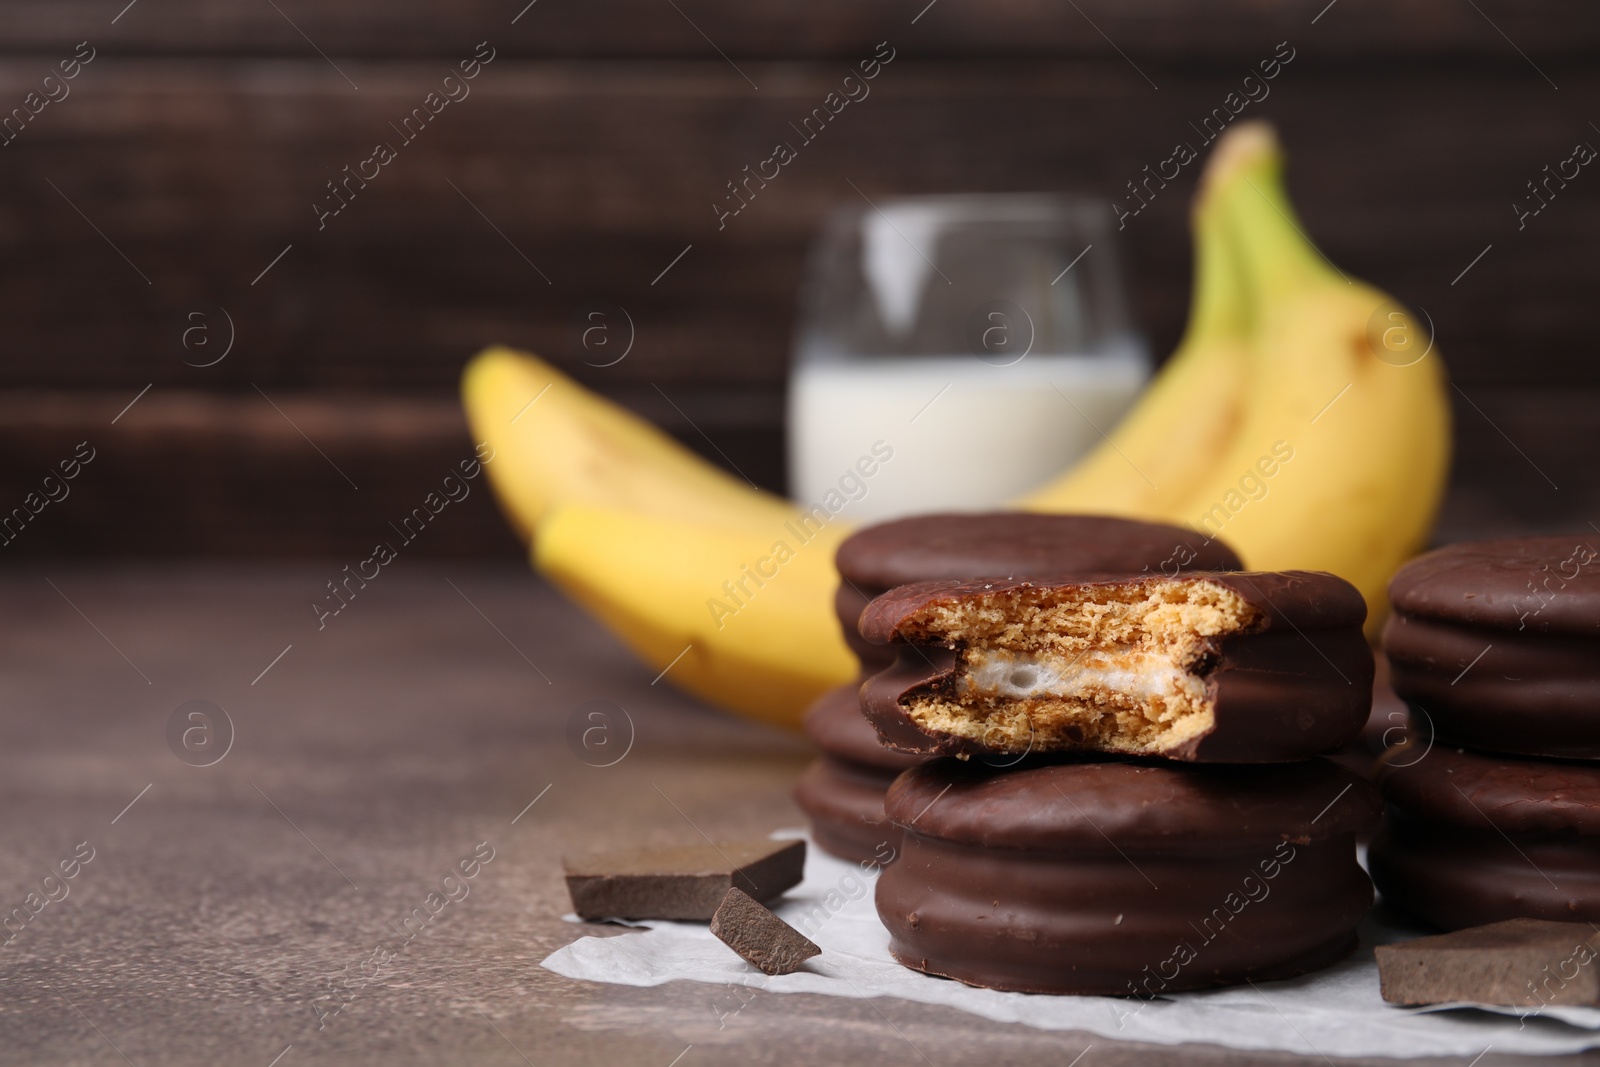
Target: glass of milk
<point>953,352</point>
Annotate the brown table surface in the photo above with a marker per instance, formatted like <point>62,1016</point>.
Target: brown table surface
<point>370,758</point>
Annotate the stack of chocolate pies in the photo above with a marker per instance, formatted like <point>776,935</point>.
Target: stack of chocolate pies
<point>1121,791</point>
<point>1494,806</point>
<point>843,791</point>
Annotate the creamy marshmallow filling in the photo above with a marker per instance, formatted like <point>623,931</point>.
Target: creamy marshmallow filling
<point>1116,667</point>
<point>1138,675</point>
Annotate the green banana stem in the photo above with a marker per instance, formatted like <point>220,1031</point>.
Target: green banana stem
<point>1276,255</point>
<point>1217,307</point>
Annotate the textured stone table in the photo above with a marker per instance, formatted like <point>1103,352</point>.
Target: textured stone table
<point>368,759</point>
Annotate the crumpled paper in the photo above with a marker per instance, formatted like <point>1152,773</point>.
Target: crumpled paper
<point>1335,1012</point>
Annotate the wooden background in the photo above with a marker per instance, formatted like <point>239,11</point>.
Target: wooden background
<point>190,151</point>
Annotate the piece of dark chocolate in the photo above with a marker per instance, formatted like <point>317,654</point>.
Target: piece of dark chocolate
<point>760,938</point>
<point>1497,641</point>
<point>1244,667</point>
<point>1517,963</point>
<point>1125,877</point>
<point>684,882</point>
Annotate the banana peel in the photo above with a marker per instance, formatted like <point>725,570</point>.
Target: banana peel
<point>556,442</point>
<point>742,619</point>
<point>1365,427</point>
<point>1189,414</point>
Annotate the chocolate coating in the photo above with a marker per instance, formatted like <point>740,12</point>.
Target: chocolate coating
<point>1473,791</point>
<point>1498,642</point>
<point>1090,805</point>
<point>849,601</point>
<point>1019,545</point>
<point>1124,877</point>
<point>1010,544</point>
<point>837,726</point>
<point>1388,726</point>
<point>842,792</point>
<point>1549,584</point>
<point>1298,684</point>
<point>845,804</point>
<point>1471,839</point>
<point>1453,879</point>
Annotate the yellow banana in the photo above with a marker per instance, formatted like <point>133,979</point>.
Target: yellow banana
<point>1342,455</point>
<point>743,619</point>
<point>556,442</point>
<point>1190,412</point>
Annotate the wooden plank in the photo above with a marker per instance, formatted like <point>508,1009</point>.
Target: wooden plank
<point>274,474</point>
<point>1151,31</point>
<point>188,473</point>
<point>183,473</point>
<point>600,174</point>
<point>1524,463</point>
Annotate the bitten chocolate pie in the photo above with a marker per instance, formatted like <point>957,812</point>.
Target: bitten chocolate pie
<point>1244,667</point>
<point>843,791</point>
<point>1008,544</point>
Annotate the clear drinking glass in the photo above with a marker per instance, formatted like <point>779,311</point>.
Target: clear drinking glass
<point>953,352</point>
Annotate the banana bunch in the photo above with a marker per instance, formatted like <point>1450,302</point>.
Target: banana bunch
<point>1303,419</point>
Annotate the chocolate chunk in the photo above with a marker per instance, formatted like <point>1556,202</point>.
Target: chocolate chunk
<point>763,940</point>
<point>1008,544</point>
<point>1496,642</point>
<point>1516,963</point>
<point>1124,878</point>
<point>1472,839</point>
<point>1243,667</point>
<point>682,881</point>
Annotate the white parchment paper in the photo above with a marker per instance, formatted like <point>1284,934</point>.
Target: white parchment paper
<point>1336,1012</point>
